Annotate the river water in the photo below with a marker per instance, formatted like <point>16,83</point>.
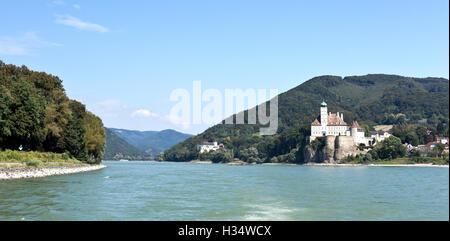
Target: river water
<point>188,191</point>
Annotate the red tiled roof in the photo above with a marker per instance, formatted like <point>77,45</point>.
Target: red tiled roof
<point>356,125</point>
<point>335,120</point>
<point>315,123</point>
<point>430,143</point>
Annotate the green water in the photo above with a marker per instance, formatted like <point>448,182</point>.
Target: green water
<point>183,191</point>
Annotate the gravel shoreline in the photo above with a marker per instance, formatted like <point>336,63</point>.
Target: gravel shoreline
<point>34,172</point>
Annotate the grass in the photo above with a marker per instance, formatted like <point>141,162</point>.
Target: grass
<point>414,160</point>
<point>35,159</point>
<point>383,127</point>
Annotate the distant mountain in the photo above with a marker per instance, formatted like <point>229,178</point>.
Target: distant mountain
<point>117,148</point>
<point>370,99</point>
<point>151,142</point>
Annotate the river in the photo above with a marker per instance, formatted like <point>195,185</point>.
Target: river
<point>188,191</point>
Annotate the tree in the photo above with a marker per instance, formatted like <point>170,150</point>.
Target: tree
<point>222,156</point>
<point>438,149</point>
<point>390,148</point>
<point>368,157</point>
<point>27,112</point>
<point>95,138</point>
<point>5,112</point>
<point>73,138</point>
<point>412,138</point>
<point>366,129</point>
<point>440,129</point>
<point>249,155</point>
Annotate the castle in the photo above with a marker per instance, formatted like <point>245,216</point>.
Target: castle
<point>334,125</point>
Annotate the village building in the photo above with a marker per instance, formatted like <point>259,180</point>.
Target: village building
<point>208,146</point>
<point>443,140</point>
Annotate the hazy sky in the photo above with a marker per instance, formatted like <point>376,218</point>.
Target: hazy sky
<point>124,58</point>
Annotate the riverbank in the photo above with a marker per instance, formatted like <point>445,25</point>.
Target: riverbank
<point>241,163</point>
<point>374,164</point>
<point>201,162</point>
<point>9,173</point>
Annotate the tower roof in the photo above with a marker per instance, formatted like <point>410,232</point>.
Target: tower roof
<point>356,125</point>
<point>323,104</point>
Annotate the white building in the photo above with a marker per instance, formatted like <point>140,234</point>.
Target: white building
<point>334,125</point>
<point>443,140</point>
<point>207,147</point>
<point>378,136</point>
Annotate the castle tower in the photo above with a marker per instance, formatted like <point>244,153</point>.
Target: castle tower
<point>323,114</point>
<point>353,129</point>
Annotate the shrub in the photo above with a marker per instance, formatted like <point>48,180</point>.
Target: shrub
<point>33,163</point>
<point>65,155</point>
<point>318,143</point>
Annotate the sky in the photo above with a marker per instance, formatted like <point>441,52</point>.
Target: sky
<point>123,59</point>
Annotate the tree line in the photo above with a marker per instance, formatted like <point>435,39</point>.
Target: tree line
<point>36,113</point>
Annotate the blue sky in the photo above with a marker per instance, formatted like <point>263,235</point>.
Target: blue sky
<point>119,57</point>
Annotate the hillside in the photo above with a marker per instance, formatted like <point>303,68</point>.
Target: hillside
<point>36,113</point>
<point>151,142</point>
<point>370,99</point>
<point>117,148</point>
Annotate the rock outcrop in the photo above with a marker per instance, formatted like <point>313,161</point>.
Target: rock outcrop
<point>333,150</point>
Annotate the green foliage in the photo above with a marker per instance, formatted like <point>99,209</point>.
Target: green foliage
<point>389,149</point>
<point>95,138</point>
<point>367,128</point>
<point>33,163</point>
<point>222,156</point>
<point>318,143</point>
<point>36,113</point>
<point>413,134</point>
<point>394,119</point>
<point>438,150</point>
<point>250,155</point>
<point>354,159</point>
<point>435,161</point>
<point>43,158</point>
<point>290,157</point>
<point>117,148</point>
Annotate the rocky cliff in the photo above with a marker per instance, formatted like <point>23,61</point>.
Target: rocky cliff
<point>331,149</point>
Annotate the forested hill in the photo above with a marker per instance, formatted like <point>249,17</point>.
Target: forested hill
<point>151,142</point>
<point>36,113</point>
<point>370,99</point>
<point>117,148</point>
